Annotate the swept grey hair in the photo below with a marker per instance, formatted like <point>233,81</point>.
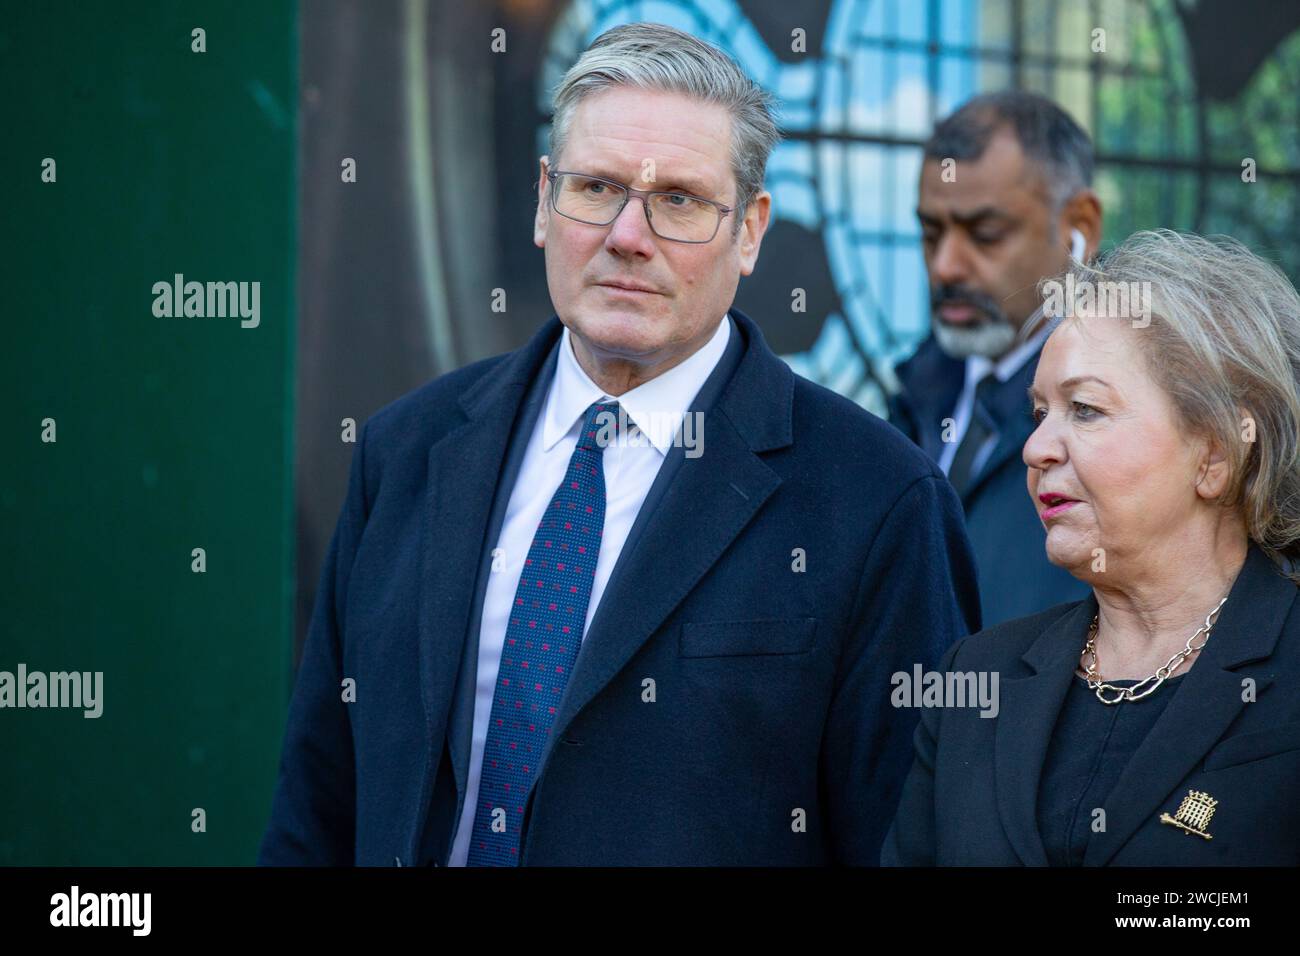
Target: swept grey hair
<point>1224,344</point>
<point>652,56</point>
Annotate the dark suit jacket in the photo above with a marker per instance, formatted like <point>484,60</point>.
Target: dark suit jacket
<point>771,739</point>
<point>970,799</point>
<point>1015,577</point>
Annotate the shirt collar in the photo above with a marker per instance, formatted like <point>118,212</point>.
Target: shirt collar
<point>656,406</point>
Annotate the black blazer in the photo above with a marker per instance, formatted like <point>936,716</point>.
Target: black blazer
<point>970,798</point>
<point>1015,577</point>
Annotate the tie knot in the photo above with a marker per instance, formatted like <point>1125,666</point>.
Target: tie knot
<point>601,425</point>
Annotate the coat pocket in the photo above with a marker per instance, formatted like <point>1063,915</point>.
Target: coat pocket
<point>747,638</point>
<point>1255,745</point>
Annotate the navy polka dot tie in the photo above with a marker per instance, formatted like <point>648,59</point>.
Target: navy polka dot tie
<point>541,644</point>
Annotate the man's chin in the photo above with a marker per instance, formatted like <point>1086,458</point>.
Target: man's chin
<point>991,339</point>
<point>617,335</point>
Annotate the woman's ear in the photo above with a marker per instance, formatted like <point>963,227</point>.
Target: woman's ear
<point>1215,471</point>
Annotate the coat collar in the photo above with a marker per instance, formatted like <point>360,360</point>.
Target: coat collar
<point>1205,705</point>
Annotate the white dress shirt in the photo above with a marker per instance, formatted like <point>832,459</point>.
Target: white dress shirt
<point>630,469</point>
<point>977,366</point>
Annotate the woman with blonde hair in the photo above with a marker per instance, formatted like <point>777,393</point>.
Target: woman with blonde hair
<point>1156,722</point>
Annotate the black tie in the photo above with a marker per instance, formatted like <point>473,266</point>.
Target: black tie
<point>981,426</point>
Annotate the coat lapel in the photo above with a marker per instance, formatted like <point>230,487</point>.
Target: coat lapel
<point>458,502</point>
<point>1208,701</point>
<point>753,414</point>
<point>1029,707</point>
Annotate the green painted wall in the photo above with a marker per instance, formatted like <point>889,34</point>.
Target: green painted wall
<point>173,433</point>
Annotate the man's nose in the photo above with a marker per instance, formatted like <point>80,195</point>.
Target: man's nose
<point>630,232</point>
<point>949,264</point>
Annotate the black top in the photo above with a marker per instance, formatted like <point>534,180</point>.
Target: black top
<point>1091,745</point>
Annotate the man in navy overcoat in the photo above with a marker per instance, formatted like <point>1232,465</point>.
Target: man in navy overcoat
<point>632,594</point>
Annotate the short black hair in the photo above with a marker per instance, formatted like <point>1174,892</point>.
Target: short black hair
<point>1047,134</point>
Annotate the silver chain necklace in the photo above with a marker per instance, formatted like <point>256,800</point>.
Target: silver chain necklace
<point>1137,691</point>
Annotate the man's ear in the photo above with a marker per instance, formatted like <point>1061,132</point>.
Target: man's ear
<point>543,216</point>
<point>1082,211</point>
<point>757,217</point>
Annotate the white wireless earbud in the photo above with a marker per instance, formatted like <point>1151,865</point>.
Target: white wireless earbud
<point>1078,245</point>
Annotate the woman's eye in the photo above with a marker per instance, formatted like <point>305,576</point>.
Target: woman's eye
<point>1082,410</point>
<point>1038,414</point>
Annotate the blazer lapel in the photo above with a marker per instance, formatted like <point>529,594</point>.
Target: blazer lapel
<point>1029,707</point>
<point>753,414</point>
<point>1207,702</point>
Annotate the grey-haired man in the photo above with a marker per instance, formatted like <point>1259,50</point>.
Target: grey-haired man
<point>569,650</point>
